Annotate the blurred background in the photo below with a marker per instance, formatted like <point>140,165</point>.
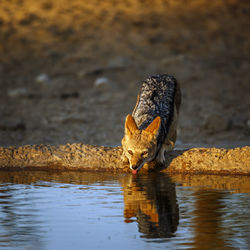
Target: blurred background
<point>70,71</point>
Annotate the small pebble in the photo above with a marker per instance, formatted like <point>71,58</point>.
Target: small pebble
<point>42,78</point>
<point>102,81</point>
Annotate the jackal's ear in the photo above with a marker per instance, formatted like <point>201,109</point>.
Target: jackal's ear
<point>130,125</point>
<point>154,126</point>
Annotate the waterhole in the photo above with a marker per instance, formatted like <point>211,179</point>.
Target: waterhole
<point>82,210</point>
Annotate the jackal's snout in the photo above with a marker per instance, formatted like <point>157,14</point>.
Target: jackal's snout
<point>134,167</point>
<point>136,164</point>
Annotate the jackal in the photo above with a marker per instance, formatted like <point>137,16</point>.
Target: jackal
<point>151,129</point>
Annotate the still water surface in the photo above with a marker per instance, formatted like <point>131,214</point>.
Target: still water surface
<point>82,210</point>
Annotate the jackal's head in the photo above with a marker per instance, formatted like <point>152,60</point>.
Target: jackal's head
<point>140,146</point>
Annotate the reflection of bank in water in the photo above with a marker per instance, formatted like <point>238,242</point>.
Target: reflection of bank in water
<point>152,200</point>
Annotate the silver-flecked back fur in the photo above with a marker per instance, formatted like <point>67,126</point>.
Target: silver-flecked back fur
<point>156,98</point>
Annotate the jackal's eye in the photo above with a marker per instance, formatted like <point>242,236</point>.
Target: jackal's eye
<point>144,153</point>
<point>130,152</point>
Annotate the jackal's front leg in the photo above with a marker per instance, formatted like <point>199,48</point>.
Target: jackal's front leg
<point>167,146</point>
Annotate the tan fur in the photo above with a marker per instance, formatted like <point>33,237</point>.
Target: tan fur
<point>140,145</point>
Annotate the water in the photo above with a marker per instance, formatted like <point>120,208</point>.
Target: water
<point>81,210</point>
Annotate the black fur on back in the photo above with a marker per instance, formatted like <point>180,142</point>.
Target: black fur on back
<point>156,98</point>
